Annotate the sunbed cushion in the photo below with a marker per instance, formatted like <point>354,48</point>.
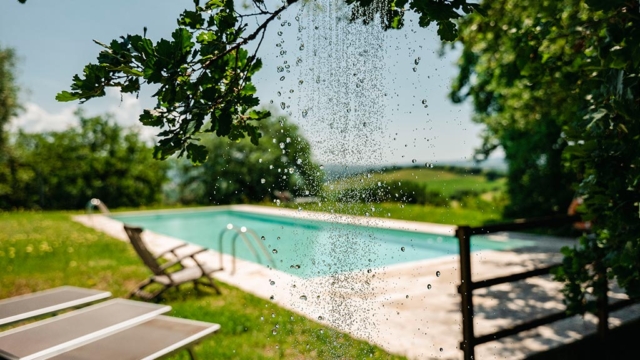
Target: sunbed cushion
<point>185,275</point>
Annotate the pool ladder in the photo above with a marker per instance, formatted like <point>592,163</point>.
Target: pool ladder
<point>242,232</point>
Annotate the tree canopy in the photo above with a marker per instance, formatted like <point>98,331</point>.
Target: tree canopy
<point>63,170</point>
<point>203,73</point>
<point>239,172</point>
<point>8,90</point>
<point>557,85</point>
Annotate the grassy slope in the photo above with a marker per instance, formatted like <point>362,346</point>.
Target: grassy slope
<point>45,250</point>
<point>425,213</point>
<point>444,182</point>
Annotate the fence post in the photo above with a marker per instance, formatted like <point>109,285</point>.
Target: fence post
<point>463,233</point>
<point>602,304</point>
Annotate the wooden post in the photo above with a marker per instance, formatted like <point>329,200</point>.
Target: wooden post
<point>463,233</point>
<point>602,305</point>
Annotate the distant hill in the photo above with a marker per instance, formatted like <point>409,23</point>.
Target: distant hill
<point>334,172</point>
<point>499,164</point>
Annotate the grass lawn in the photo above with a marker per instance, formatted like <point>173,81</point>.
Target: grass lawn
<point>44,250</point>
<point>444,182</point>
<point>412,212</point>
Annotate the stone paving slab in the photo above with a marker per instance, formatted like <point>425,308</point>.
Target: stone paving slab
<point>407,309</point>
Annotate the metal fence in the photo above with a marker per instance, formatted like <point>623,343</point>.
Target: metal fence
<point>467,286</point>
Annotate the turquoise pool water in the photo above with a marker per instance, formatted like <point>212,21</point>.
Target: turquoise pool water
<point>308,248</point>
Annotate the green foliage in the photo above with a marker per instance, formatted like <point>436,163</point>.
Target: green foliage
<point>239,172</point>
<point>8,91</point>
<point>408,192</point>
<point>522,116</point>
<point>203,73</point>
<point>558,81</point>
<point>63,170</point>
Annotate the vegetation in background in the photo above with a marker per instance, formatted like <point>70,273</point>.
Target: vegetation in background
<point>45,250</point>
<point>8,92</point>
<point>442,187</point>
<point>239,172</point>
<point>557,83</point>
<point>63,170</point>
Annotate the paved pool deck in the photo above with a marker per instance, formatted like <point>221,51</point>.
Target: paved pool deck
<point>407,309</point>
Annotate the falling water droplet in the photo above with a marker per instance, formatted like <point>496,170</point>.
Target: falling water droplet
<point>281,78</point>
<point>263,238</point>
<point>303,297</point>
<point>259,160</point>
<point>438,273</point>
<point>274,251</point>
<point>280,34</point>
<point>278,237</point>
<point>415,69</point>
<point>321,167</point>
<point>320,318</point>
<point>271,282</point>
<point>417,60</point>
<point>271,297</point>
<point>441,349</point>
<point>263,181</point>
<point>301,47</point>
<point>304,113</point>
<point>402,249</point>
<point>280,69</point>
<point>429,287</point>
<point>283,105</point>
<point>407,296</point>
<point>281,145</point>
<point>414,161</point>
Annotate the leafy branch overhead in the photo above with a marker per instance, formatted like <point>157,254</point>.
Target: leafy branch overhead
<point>203,73</point>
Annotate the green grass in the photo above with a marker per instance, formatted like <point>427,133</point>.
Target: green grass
<point>44,250</point>
<point>442,181</point>
<point>412,212</point>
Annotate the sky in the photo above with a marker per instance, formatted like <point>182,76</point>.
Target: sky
<point>368,96</point>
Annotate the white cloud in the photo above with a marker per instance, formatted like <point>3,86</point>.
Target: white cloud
<point>36,119</point>
<point>124,110</point>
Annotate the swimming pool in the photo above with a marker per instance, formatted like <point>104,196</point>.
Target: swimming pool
<point>308,248</point>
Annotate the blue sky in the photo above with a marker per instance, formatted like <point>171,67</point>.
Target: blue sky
<point>384,120</point>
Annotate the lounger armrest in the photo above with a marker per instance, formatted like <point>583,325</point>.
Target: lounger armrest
<point>172,251</point>
<point>180,258</point>
<point>193,257</point>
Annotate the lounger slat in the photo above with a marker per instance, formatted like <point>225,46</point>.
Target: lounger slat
<point>150,340</point>
<point>43,302</point>
<point>59,334</point>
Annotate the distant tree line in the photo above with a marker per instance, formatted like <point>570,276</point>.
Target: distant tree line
<point>64,169</point>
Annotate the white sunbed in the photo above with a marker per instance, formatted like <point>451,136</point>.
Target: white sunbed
<point>43,302</point>
<point>46,338</point>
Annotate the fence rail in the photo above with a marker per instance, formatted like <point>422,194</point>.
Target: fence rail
<point>467,285</point>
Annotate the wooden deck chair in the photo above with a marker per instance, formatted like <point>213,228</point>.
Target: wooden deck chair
<point>162,275</point>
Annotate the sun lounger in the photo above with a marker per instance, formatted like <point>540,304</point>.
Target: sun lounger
<point>200,274</point>
<point>152,339</point>
<point>61,333</point>
<point>48,301</point>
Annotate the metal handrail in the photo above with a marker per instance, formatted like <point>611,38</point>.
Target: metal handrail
<point>242,232</point>
<point>98,204</point>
